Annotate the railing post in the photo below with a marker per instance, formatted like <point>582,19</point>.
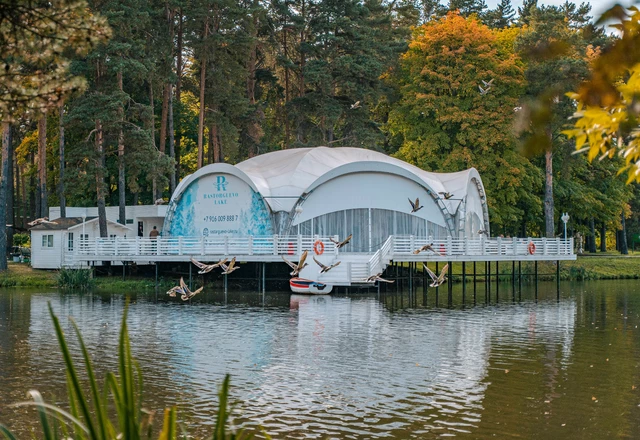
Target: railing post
<point>180,252</point>
<point>137,246</point>
<point>202,244</point>
<point>499,241</point>
<point>96,247</point>
<point>483,249</point>
<point>275,245</point>
<point>250,244</point>
<point>226,245</point>
<point>570,250</point>
<point>557,246</point>
<point>349,271</point>
<point>300,243</point>
<point>158,245</point>
<point>515,246</point>
<point>412,243</point>
<point>115,246</point>
<point>544,245</point>
<point>449,245</point>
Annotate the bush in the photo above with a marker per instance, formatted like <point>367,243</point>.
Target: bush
<point>22,240</point>
<point>88,417</point>
<point>75,279</point>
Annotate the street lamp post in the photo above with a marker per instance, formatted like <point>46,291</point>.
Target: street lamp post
<point>565,219</point>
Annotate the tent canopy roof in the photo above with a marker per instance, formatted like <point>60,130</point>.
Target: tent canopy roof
<point>282,177</point>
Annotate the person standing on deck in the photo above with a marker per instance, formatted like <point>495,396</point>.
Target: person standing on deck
<point>154,233</point>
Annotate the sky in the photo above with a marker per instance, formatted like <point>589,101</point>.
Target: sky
<point>598,6</point>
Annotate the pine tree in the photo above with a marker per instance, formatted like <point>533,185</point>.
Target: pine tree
<point>500,17</point>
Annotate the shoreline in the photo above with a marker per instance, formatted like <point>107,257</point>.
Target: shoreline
<point>586,268</point>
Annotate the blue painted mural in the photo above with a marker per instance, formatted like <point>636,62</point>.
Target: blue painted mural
<point>218,205</point>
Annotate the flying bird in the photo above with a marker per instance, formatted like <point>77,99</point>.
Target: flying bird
<point>487,84</point>
<point>342,243</point>
<point>437,280</point>
<point>186,293</point>
<point>174,290</point>
<point>324,268</point>
<point>483,231</point>
<point>415,206</point>
<point>426,247</point>
<point>228,268</point>
<point>377,277</point>
<point>484,91</point>
<point>41,220</point>
<point>447,195</point>
<point>355,105</point>
<point>297,267</point>
<point>206,268</point>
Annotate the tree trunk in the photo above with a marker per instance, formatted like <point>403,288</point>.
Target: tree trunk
<point>172,150</point>
<point>9,192</point>
<point>178,151</point>
<point>34,198</point>
<point>61,195</point>
<point>6,140</point>
<point>624,247</point>
<point>42,165</point>
<point>215,143</point>
<point>19,207</point>
<point>603,238</point>
<point>154,180</point>
<point>548,195</point>
<point>26,204</point>
<point>122,201</point>
<point>592,241</point>
<point>100,186</point>
<point>287,128</point>
<point>203,77</point>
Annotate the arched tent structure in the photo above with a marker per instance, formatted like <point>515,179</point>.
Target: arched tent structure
<point>327,191</point>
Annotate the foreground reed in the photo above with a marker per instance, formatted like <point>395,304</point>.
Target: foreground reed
<point>87,417</point>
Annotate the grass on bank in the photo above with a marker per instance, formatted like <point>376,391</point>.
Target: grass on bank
<point>588,267</point>
<point>114,410</point>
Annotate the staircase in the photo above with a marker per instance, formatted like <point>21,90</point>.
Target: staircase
<point>354,268</point>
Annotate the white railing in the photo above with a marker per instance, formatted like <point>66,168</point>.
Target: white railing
<point>194,246</point>
<point>406,245</point>
<point>266,248</point>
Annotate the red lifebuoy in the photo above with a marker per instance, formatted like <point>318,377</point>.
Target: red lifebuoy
<point>290,250</point>
<point>531,247</point>
<point>318,247</point>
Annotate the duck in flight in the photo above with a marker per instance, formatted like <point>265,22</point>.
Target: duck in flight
<point>437,280</point>
<point>186,293</point>
<point>342,243</point>
<point>175,290</point>
<point>415,206</point>
<point>447,195</point>
<point>324,268</point>
<point>228,268</point>
<point>206,268</point>
<point>483,231</point>
<point>297,267</point>
<point>378,277</point>
<point>426,247</point>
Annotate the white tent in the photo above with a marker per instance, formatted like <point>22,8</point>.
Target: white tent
<point>326,191</point>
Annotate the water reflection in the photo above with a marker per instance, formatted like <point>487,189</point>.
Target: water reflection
<point>351,367</point>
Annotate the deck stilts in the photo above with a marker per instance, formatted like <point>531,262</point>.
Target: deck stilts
<point>497,281</point>
<point>124,265</point>
<point>156,275</point>
<point>558,280</point>
<point>464,281</point>
<point>410,281</point>
<point>536,275</point>
<point>190,276</point>
<point>425,286</point>
<point>488,277</point>
<point>519,280</point>
<point>513,280</point>
<point>474,282</point>
<point>437,288</point>
<point>225,287</point>
<point>264,278</point>
<point>450,284</point>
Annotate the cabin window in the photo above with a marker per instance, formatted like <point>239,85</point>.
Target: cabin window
<point>70,242</point>
<point>47,241</point>
<point>112,236</point>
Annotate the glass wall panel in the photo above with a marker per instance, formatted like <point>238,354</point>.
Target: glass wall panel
<point>358,225</point>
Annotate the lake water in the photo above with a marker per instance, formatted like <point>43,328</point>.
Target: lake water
<point>358,366</point>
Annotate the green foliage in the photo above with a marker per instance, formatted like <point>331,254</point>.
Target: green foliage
<point>81,279</point>
<point>89,416</point>
<point>23,240</point>
<point>37,40</point>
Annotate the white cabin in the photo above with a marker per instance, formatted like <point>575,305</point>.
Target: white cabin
<point>53,242</point>
<point>140,218</point>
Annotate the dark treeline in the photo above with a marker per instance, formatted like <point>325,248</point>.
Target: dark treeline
<point>184,83</point>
